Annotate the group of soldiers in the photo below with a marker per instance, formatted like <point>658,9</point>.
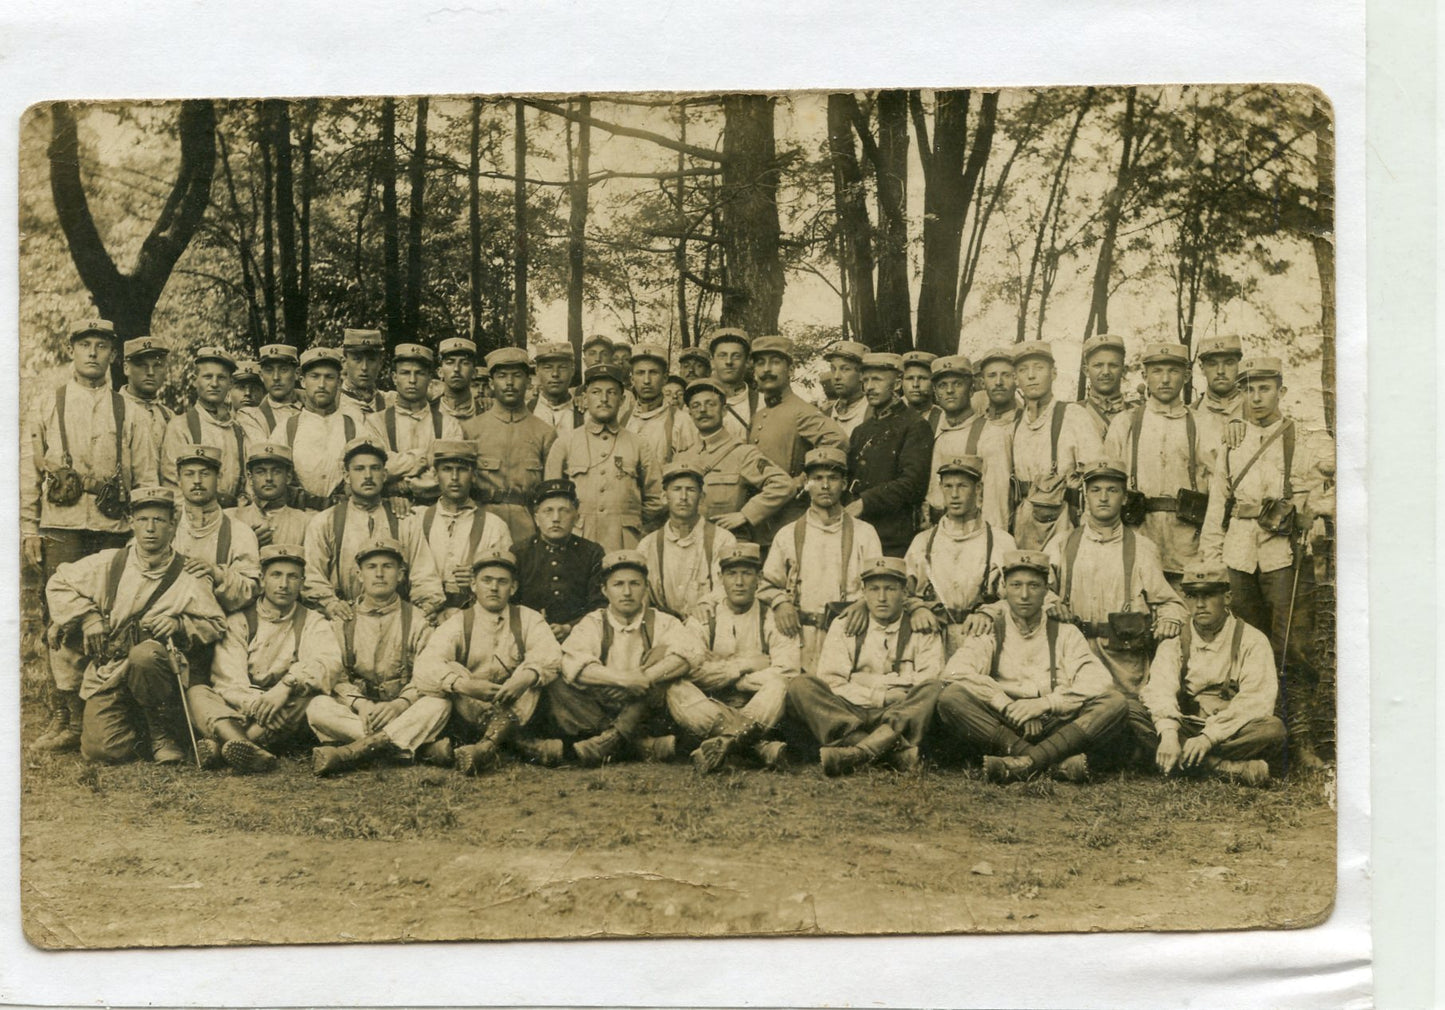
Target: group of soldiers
<point>496,561</point>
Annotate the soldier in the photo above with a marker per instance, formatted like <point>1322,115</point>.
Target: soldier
<point>617,478</point>
<point>952,384</point>
<point>147,360</point>
<point>815,562</point>
<point>1030,696</point>
<point>694,363</point>
<point>319,433</point>
<point>666,430</point>
<point>492,662</point>
<point>555,403</point>
<point>990,434</point>
<point>873,695</point>
<point>596,350</point>
<point>560,573</point>
<point>410,425</point>
<point>616,665</point>
<point>917,386</point>
<point>845,380</point>
<point>1214,687</point>
<point>362,351</point>
<point>458,357</point>
<point>218,549</point>
<point>673,388</point>
<point>1050,437</point>
<point>1220,408</point>
<point>374,707</point>
<point>512,443</point>
<point>1160,440</point>
<point>1270,491</point>
<point>456,529</point>
<point>682,555</point>
<point>246,385</point>
<point>270,473</point>
<point>276,655</point>
<point>888,458</point>
<point>730,347</point>
<point>333,581</point>
<point>278,365</point>
<point>84,450</point>
<point>121,621</point>
<point>209,421</point>
<point>1104,365</point>
<point>735,696</point>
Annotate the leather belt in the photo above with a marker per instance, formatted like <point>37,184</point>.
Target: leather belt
<point>1161,504</point>
<point>1094,629</point>
<point>508,498</point>
<point>811,620</point>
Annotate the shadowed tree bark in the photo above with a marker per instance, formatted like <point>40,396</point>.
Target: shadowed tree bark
<point>411,307</point>
<point>753,291</point>
<point>855,230</point>
<point>577,222</point>
<point>390,227</point>
<point>519,258</point>
<point>474,225</point>
<point>293,311</point>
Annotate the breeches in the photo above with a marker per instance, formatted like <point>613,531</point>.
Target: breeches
<point>978,725</point>
<point>586,711</point>
<point>1258,738</point>
<point>475,713</point>
<point>63,547</point>
<point>209,708</point>
<point>833,721</point>
<point>753,699</point>
<point>115,717</point>
<point>333,722</point>
<point>1263,600</point>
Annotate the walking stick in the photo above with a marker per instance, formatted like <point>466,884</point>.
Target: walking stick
<point>174,655</point>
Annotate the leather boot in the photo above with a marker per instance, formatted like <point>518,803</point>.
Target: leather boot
<point>165,750</point>
<point>1007,769</point>
<point>711,753</point>
<point>438,753</point>
<point>595,750</point>
<point>329,760</point>
<point>1300,749</point>
<point>545,752</point>
<point>246,756</point>
<point>1074,768</point>
<point>1249,773</point>
<point>901,759</point>
<point>208,754</point>
<point>773,754</point>
<point>656,748</point>
<point>62,733</point>
<point>486,753</point>
<point>841,760</point>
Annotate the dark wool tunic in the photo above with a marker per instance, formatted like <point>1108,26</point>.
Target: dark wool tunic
<point>888,459</point>
<point>561,583</point>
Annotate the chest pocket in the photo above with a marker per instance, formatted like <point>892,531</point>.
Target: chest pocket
<point>723,492</point>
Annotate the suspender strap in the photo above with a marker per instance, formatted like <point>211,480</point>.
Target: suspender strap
<point>649,631</point>
<point>1071,556</point>
<point>975,432</point>
<point>348,644</point>
<point>800,529</point>
<point>292,423</point>
<point>1231,683</point>
<point>389,419</point>
<point>223,541</point>
<point>1051,632</point>
<point>1130,548</point>
<point>1191,432</point>
<point>905,634</point>
<point>436,421</point>
<point>1136,427</point>
<point>268,414</point>
<point>427,518</point>
<point>240,458</point>
<point>671,418</point>
<point>348,425</point>
<point>469,621</point>
<point>1288,460</point>
<point>60,420</point>
<point>406,656</point>
<point>112,577</point>
<point>117,406</point>
<point>987,559</point>
<point>997,647</point>
<point>1054,431</point>
<point>252,623</point>
<point>338,530</point>
<point>117,567</point>
<point>193,425</point>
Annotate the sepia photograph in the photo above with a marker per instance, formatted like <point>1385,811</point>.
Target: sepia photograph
<point>557,516</point>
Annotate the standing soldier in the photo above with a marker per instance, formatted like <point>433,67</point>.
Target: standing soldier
<point>682,555</point>
<point>1050,437</point>
<point>673,388</point>
<point>83,452</point>
<point>952,379</point>
<point>270,474</point>
<point>730,347</point>
<point>560,573</point>
<point>209,421</point>
<point>456,529</point>
<point>845,380</point>
<point>694,363</point>
<point>278,364</point>
<point>246,385</point>
<point>1104,365</point>
<point>147,360</point>
<point>121,620</point>
<point>917,386</point>
<point>457,368</point>
<point>666,430</point>
<point>1220,408</point>
<point>888,458</point>
<point>990,434</point>
<point>217,548</point>
<point>618,480</point>
<point>362,350</point>
<point>512,443</point>
<point>1269,492</point>
<point>596,350</point>
<point>555,403</point>
<point>319,433</point>
<point>410,425</point>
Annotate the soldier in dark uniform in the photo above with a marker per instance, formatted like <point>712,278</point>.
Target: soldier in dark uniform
<point>559,573</point>
<point>888,458</point>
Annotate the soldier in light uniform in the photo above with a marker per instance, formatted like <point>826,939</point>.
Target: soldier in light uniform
<point>916,389</point>
<point>278,364</point>
<point>1220,408</point>
<point>512,443</point>
<point>209,421</point>
<point>730,348</point>
<point>147,361</point>
<point>596,350</point>
<point>888,458</point>
<point>456,529</point>
<point>1104,365</point>
<point>333,581</point>
<point>218,549</point>
<point>673,388</point>
<point>270,477</point>
<point>555,403</point>
<point>1050,437</point>
<point>682,555</point>
<point>990,433</point>
<point>83,448</point>
<point>952,384</point>
<point>560,573</point>
<point>666,429</point>
<point>410,425</point>
<point>458,366</point>
<point>319,433</point>
<point>735,696</point>
<point>362,351</point>
<point>374,707</point>
<point>492,662</point>
<point>247,389</point>
<point>845,380</point>
<point>276,655</point>
<point>115,615</point>
<point>694,363</point>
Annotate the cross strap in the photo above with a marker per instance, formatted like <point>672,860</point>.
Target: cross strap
<point>905,635</point>
<point>1287,430</point>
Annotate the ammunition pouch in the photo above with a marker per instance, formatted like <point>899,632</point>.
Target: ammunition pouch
<point>119,643</point>
<point>63,486</point>
<point>1278,516</point>
<point>113,498</point>
<point>831,612</point>
<point>1192,505</point>
<point>1136,507</point>
<point>1129,631</point>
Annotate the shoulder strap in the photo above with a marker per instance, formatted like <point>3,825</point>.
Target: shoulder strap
<point>1054,431</point>
<point>711,628</point>
<point>338,530</point>
<point>997,647</point>
<point>392,523</point>
<point>348,644</point>
<point>117,406</point>
<point>1192,434</point>
<point>606,649</point>
<point>193,424</point>
<point>479,525</point>
<point>1184,641</point>
<point>223,540</point>
<point>436,421</point>
<point>298,626</point>
<point>928,557</point>
<point>905,634</point>
<point>858,642</point>
<point>1051,632</point>
<point>292,423</point>
<point>975,432</point>
<point>268,414</point>
<point>60,420</point>
<point>987,560</point>
<point>240,457</point>
<point>667,433</point>
<point>112,577</point>
<point>649,630</point>
<point>514,621</point>
<point>1288,460</point>
<point>1265,444</point>
<point>709,534</point>
<point>1136,428</point>
<point>1131,547</point>
<point>1071,554</point>
<point>1231,676</point>
<point>348,425</point>
<point>406,656</point>
<point>252,622</point>
<point>800,531</point>
<point>847,556</point>
<point>469,622</point>
<point>427,519</point>
<point>389,419</point>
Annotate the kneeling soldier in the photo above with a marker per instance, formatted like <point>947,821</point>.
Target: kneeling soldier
<point>874,692</point>
<point>374,709</point>
<point>491,662</point>
<point>127,615</point>
<point>275,656</point>
<point>737,693</point>
<point>616,665</point>
<point>1214,686</point>
<point>1032,694</point>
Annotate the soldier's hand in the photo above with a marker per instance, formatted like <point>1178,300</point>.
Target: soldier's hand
<point>785,616</point>
<point>54,634</point>
<point>731,521</point>
<point>1166,758</point>
<point>854,619</point>
<point>560,631</point>
<point>1319,531</point>
<point>1166,628</point>
<point>715,677</point>
<point>1061,611</point>
<point>1194,751</point>
<point>634,683</point>
<point>32,549</point>
<point>382,714</point>
<point>479,687</point>
<point>264,534</point>
<point>977,625</point>
<point>461,576</point>
<point>270,704</point>
<point>1022,711</point>
<point>1033,729</point>
<point>893,695</point>
<point>1234,432</point>
<point>201,569</point>
<point>338,610</point>
<point>401,506</point>
<point>160,625</point>
<point>923,621</point>
<point>516,685</point>
<point>94,634</point>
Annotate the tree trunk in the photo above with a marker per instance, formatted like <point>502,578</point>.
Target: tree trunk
<point>577,224</point>
<point>293,313</point>
<point>244,227</point>
<point>308,146</point>
<point>390,227</point>
<point>1051,205</point>
<point>753,290</point>
<point>265,140</point>
<point>1098,320</point>
<point>890,172</point>
<point>680,257</point>
<point>519,258</point>
<point>1323,244</point>
<point>474,226</point>
<point>855,231</point>
<point>411,309</point>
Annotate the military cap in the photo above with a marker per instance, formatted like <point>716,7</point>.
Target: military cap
<point>598,373</point>
<point>93,328</point>
<point>496,559</point>
<point>1166,354</point>
<point>648,350</point>
<point>973,466</point>
<point>270,452</point>
<point>694,354</point>
<point>278,352</point>
<point>679,468</point>
<point>1104,468</point>
<point>197,453</point>
<point>613,560</point>
<point>882,361</point>
<point>725,333</point>
<point>282,552</point>
<point>1210,346</point>
<point>247,370</point>
<point>361,340</point>
<point>456,449</point>
<point>1032,349</point>
<point>884,568</point>
<point>850,349</point>
<point>919,359</point>
<point>505,357</point>
<point>152,495</point>
<point>557,350</point>
<point>698,385</point>
<point>952,364</point>
<point>558,487</point>
<point>596,339</point>
<point>363,444</point>
<point>210,352</point>
<point>414,352</point>
<point>1001,353</point>
<point>381,545</point>
<point>825,457</point>
<point>139,347</point>
<point>741,553</point>
<point>774,345</point>
<point>1202,579</point>
<point>1261,368</point>
<point>314,356</point>
<point>676,380</point>
<point>1034,561</point>
<point>1103,341</point>
<point>457,345</point>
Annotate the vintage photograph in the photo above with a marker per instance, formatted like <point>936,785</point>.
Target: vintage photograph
<point>556,516</point>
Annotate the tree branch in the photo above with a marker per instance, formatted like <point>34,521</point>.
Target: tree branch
<point>706,154</point>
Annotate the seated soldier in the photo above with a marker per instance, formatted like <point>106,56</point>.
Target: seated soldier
<point>1032,694</point>
<point>616,665</point>
<point>560,573</point>
<point>1214,686</point>
<point>276,654</point>
<point>491,662</point>
<point>122,620</point>
<point>217,548</point>
<point>736,694</point>
<point>682,564</point>
<point>269,512</point>
<point>456,529</point>
<point>374,708</point>
<point>873,695</point>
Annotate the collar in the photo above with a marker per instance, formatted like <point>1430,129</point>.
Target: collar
<point>267,611</point>
<point>443,509</point>
<point>391,606</point>
<point>356,394</point>
<point>826,526</point>
<point>841,408</point>
<point>324,415</point>
<point>1045,411</point>
<point>774,398</point>
<point>1175,409</point>
<point>717,439</point>
<point>357,503</point>
<point>559,405</point>
<point>890,628</point>
<point>621,628</point>
<point>549,545</point>
<point>152,567</point>
<point>1228,405</point>
<point>87,386</point>
<point>944,424</point>
<point>131,394</point>
<point>965,530</point>
<point>416,413</point>
<point>1014,621</point>
<point>741,393</point>
<point>294,400</point>
<point>201,520</point>
<point>597,427</point>
<point>222,416</point>
<point>1268,429</point>
<point>1006,414</point>
<point>1220,639</point>
<point>1107,404</point>
<point>682,539</point>
<point>266,508</point>
<point>506,416</point>
<point>752,608</point>
<point>888,411</point>
<point>650,413</point>
<point>1107,535</point>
